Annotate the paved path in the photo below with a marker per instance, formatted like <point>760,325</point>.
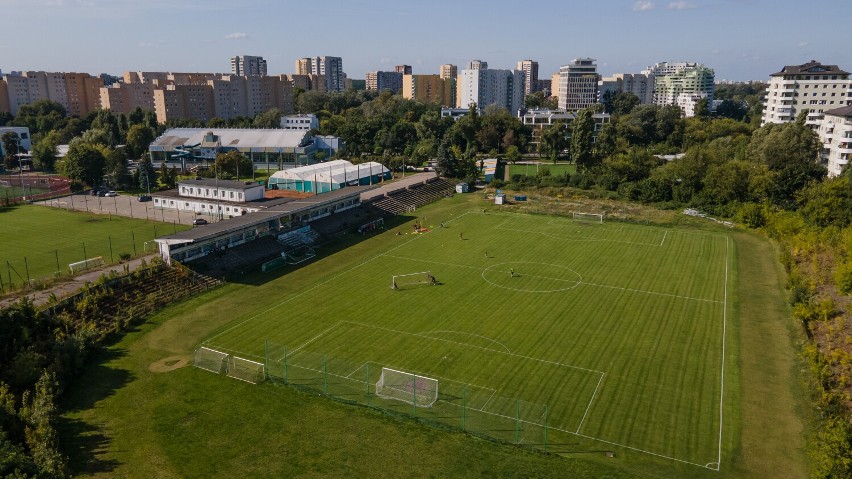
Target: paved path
<point>122,205</point>
<point>67,288</point>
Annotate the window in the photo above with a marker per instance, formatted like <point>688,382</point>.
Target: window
<point>24,136</point>
<point>232,194</point>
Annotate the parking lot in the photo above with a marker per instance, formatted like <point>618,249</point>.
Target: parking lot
<point>123,205</point>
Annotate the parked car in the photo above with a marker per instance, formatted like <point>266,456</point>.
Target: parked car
<point>110,194</point>
<point>101,193</point>
<point>199,221</point>
<point>144,198</point>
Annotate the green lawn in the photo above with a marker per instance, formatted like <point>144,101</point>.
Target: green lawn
<point>50,238</point>
<point>16,191</point>
<point>618,329</point>
<point>532,170</point>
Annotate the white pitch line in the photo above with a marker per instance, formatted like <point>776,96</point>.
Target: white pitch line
<point>589,406</point>
<point>470,334</point>
<point>482,409</point>
<point>664,237</point>
<point>315,338</point>
<point>652,292</point>
<point>722,382</point>
<point>577,238</point>
<point>359,368</point>
<point>477,347</point>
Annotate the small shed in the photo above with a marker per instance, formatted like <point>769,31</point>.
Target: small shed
<point>500,199</point>
<point>461,188</point>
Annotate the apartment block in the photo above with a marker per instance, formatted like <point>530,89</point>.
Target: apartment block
<point>504,88</point>
<point>682,84</point>
<point>835,133</point>
<point>448,70</point>
<point>194,102</point>
<point>578,84</point>
<point>331,68</point>
<point>126,97</point>
<point>76,92</point>
<point>530,69</point>
<point>811,86</point>
<point>308,82</point>
<point>429,88</point>
<point>477,65</point>
<point>640,84</point>
<point>378,81</point>
<point>247,65</point>
<point>404,69</point>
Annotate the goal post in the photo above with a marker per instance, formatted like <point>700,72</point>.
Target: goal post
<point>420,391</point>
<point>211,360</point>
<point>584,216</point>
<point>86,264</point>
<point>245,370</point>
<point>400,281</point>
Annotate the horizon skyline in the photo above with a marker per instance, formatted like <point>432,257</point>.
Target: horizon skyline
<point>738,41</point>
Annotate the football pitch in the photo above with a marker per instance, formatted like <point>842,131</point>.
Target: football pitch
<point>613,334</point>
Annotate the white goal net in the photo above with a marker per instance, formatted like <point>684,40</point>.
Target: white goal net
<point>86,264</point>
<point>419,391</point>
<point>401,281</point>
<point>593,217</point>
<point>211,360</point>
<point>245,369</point>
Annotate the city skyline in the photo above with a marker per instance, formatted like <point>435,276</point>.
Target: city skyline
<point>739,39</point>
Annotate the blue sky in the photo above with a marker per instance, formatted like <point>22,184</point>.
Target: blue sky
<point>740,39</point>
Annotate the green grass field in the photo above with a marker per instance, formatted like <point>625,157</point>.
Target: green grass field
<point>16,191</point>
<point>48,237</point>
<point>532,170</point>
<point>644,319</point>
<point>618,330</point>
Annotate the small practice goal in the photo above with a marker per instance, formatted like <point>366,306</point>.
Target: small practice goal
<point>245,370</point>
<point>401,281</point>
<point>583,216</point>
<point>211,360</point>
<point>86,264</point>
<point>419,391</point>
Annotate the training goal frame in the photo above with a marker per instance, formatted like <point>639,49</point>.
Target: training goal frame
<point>586,216</point>
<point>412,279</point>
<point>86,264</point>
<point>246,370</point>
<point>411,388</point>
<point>211,360</point>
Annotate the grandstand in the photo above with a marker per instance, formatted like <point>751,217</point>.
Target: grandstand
<point>407,200</point>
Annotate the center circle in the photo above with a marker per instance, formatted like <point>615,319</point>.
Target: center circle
<point>531,277</point>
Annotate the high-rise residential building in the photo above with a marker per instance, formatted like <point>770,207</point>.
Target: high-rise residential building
<point>554,84</point>
<point>430,89</point>
<point>448,70</point>
<point>578,84</point>
<point>812,86</point>
<point>307,82</point>
<point>78,93</point>
<point>669,68</point>
<point>684,86</point>
<point>477,65</point>
<point>126,97</point>
<point>404,69</point>
<point>530,69</point>
<point>246,65</point>
<point>330,67</point>
<point>504,88</point>
<point>640,84</point>
<point>835,133</point>
<point>379,81</point>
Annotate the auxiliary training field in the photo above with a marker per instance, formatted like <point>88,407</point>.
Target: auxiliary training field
<point>566,332</point>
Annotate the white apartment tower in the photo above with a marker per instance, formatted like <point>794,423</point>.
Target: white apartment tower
<point>835,134</point>
<point>640,84</point>
<point>530,69</point>
<point>504,88</point>
<point>330,67</point>
<point>811,86</point>
<point>448,70</point>
<point>246,65</point>
<point>683,84</point>
<point>578,84</point>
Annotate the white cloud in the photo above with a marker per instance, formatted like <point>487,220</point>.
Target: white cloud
<point>681,5</point>
<point>643,6</point>
<point>803,44</point>
<point>236,36</point>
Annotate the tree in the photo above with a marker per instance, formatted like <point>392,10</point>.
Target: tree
<point>85,163</point>
<point>790,152</point>
<point>139,138</point>
<point>44,152</point>
<point>41,116</point>
<point>38,410</point>
<point>512,154</point>
<point>582,139</point>
<point>702,108</point>
<point>11,146</point>
<point>269,119</point>
<point>145,174</point>
<point>115,169</point>
<point>108,124</point>
<point>619,103</point>
<point>732,109</point>
<point>168,176</point>
<point>553,140</point>
<point>233,163</point>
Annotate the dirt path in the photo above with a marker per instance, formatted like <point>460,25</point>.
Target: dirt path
<point>73,285</point>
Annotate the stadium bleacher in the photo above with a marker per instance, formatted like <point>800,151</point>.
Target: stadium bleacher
<point>406,200</point>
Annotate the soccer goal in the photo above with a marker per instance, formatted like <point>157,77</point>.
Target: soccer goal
<point>419,391</point>
<point>211,360</point>
<point>401,281</point>
<point>593,217</point>
<point>245,370</point>
<point>86,264</point>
